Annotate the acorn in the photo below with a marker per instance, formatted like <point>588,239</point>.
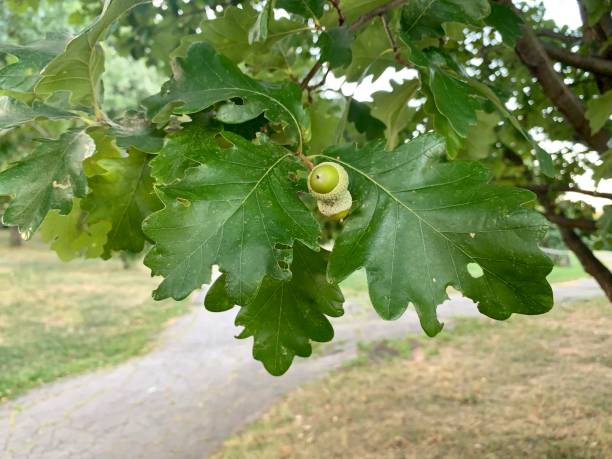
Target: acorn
<point>328,183</point>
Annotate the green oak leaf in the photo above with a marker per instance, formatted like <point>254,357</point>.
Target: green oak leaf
<point>324,119</point>
<point>459,98</point>
<point>455,100</point>
<point>351,10</point>
<point>424,223</point>
<point>482,136</point>
<point>105,148</point>
<point>19,78</point>
<point>392,109</point>
<point>596,9</point>
<point>122,195</point>
<point>78,69</point>
<point>71,236</point>
<point>173,159</point>
<point>360,114</point>
<point>506,22</point>
<point>259,31</point>
<point>599,110</point>
<point>335,44</point>
<point>137,134</point>
<point>306,8</point>
<point>204,78</point>
<point>284,316</point>
<point>237,209</point>
<point>425,18</point>
<point>371,54</point>
<point>231,34</point>
<point>15,113</point>
<point>46,179</point>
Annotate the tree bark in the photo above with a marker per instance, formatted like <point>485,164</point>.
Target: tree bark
<point>588,260</point>
<point>532,53</point>
<point>574,242</point>
<point>535,57</point>
<point>593,64</point>
<point>15,239</point>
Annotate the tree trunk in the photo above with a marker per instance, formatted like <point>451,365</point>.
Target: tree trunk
<point>14,237</point>
<point>583,252</point>
<point>589,261</point>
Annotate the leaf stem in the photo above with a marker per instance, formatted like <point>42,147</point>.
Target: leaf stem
<point>396,52</point>
<point>336,5</point>
<point>359,22</point>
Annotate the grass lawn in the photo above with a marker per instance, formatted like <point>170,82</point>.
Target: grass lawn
<point>536,387</point>
<point>61,318</point>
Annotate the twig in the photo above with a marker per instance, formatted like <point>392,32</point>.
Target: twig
<point>542,188</point>
<point>320,83</point>
<point>364,19</point>
<point>336,5</point>
<point>361,20</point>
<point>396,52</point>
<point>313,71</point>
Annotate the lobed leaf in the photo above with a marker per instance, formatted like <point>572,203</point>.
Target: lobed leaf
<point>237,209</point>
<point>78,69</point>
<point>71,236</point>
<point>19,78</point>
<point>284,316</point>
<point>336,46</point>
<point>425,18</point>
<point>392,109</point>
<point>15,113</point>
<point>306,8</point>
<point>122,194</point>
<point>49,178</point>
<point>422,223</point>
<point>204,78</point>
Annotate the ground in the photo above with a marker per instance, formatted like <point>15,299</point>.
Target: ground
<point>193,389</point>
<point>60,318</point>
<point>529,387</point>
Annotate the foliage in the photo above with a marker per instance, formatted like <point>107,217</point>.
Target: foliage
<point>211,170</point>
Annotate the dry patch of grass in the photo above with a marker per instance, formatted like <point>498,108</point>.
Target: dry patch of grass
<point>531,387</point>
<point>58,319</point>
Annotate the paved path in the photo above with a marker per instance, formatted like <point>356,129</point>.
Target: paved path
<point>180,401</point>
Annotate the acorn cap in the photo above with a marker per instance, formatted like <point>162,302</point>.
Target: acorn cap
<point>343,202</point>
<point>341,187</point>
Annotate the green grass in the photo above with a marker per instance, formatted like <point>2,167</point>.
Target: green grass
<point>529,387</point>
<point>58,319</point>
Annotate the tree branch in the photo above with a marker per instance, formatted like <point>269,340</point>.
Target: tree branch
<point>543,188</point>
<point>583,252</point>
<point>588,260</point>
<point>534,56</point>
<point>364,19</point>
<point>571,39</point>
<point>336,5</point>
<point>584,224</point>
<point>591,63</point>
<point>360,21</point>
<point>396,52</point>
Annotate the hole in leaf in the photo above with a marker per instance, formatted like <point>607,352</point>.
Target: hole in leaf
<point>475,270</point>
<point>283,265</point>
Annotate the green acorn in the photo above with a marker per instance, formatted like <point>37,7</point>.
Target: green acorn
<point>328,183</point>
